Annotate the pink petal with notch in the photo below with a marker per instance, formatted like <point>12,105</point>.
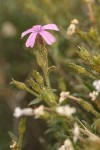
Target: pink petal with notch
<point>26,32</point>
<point>49,38</point>
<point>31,40</point>
<point>50,27</point>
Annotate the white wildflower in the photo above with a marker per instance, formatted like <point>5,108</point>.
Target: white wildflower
<point>93,95</point>
<point>39,111</point>
<point>96,84</point>
<point>62,147</point>
<point>63,96</point>
<point>65,110</point>
<point>72,27</point>
<point>23,112</point>
<point>74,21</point>
<point>68,145</point>
<point>13,146</point>
<point>76,132</point>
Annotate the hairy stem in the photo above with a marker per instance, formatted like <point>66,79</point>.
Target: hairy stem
<point>87,106</point>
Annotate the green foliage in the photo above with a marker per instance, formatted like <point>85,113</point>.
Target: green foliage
<point>92,60</point>
<point>89,108</point>
<point>35,101</point>
<point>85,55</point>
<point>13,136</point>
<point>17,143</point>
<point>89,59</point>
<point>37,84</point>
<point>22,128</point>
<point>38,78</point>
<point>22,86</point>
<point>81,70</point>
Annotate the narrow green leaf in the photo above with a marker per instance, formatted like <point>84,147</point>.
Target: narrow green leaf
<point>12,136</point>
<point>35,101</point>
<point>52,68</point>
<point>89,87</point>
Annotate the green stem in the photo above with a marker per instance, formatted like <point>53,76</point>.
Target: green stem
<point>47,78</point>
<point>22,128</point>
<point>87,106</point>
<point>32,92</point>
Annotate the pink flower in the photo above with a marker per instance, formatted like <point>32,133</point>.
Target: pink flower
<point>39,31</point>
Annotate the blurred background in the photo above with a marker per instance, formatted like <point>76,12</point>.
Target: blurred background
<point>17,62</point>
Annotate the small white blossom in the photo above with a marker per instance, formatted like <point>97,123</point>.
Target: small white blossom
<point>65,110</point>
<point>96,84</point>
<point>13,146</point>
<point>63,96</point>
<point>74,21</point>
<point>76,132</point>
<point>93,95</point>
<point>68,145</point>
<point>39,111</point>
<point>71,29</point>
<point>62,147</point>
<point>23,112</point>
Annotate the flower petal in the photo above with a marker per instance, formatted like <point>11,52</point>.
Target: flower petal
<point>50,27</point>
<point>31,40</point>
<point>36,28</point>
<point>49,38</point>
<point>26,32</point>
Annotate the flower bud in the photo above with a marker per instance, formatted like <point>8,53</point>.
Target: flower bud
<point>19,85</point>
